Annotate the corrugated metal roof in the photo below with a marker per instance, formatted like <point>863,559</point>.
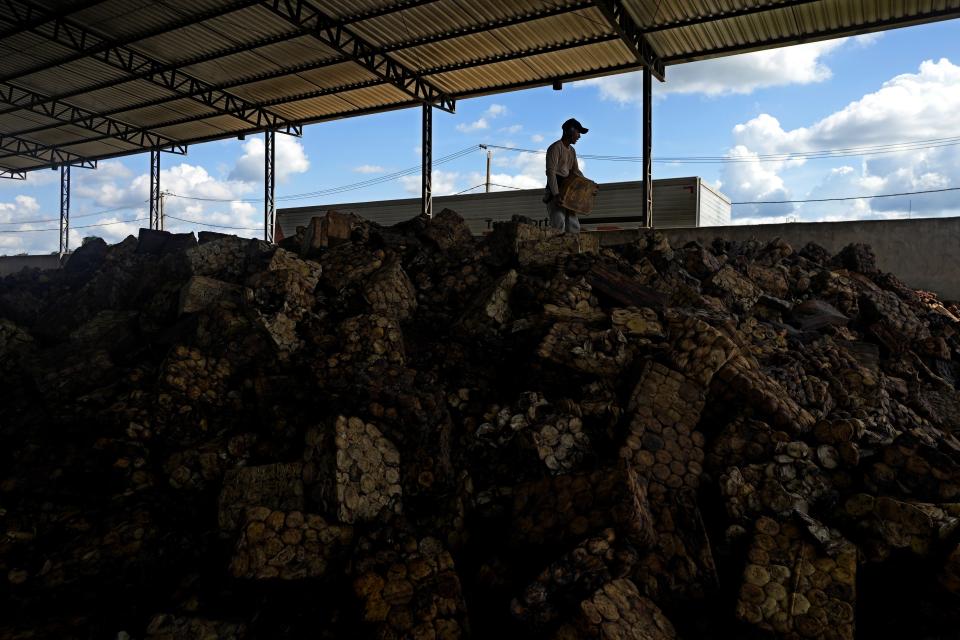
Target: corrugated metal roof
<point>195,70</point>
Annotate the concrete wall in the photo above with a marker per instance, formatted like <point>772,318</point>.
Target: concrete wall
<point>13,264</point>
<point>924,252</point>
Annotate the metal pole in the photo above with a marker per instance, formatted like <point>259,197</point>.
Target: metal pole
<point>269,183</point>
<point>647,148</point>
<point>155,189</point>
<point>64,209</point>
<point>426,146</point>
<point>489,155</point>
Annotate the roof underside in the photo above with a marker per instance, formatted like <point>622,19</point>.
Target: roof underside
<point>87,80</point>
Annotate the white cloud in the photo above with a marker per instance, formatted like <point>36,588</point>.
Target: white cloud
<point>514,128</point>
<point>37,178</point>
<point>507,181</point>
<point>101,185</point>
<point>476,125</point>
<point>369,168</point>
<point>444,183</point>
<point>12,244</point>
<point>739,74</point>
<point>866,40</point>
<point>290,158</point>
<point>536,138</point>
<point>483,122</point>
<point>747,180</point>
<point>21,208</point>
<point>216,204</point>
<point>913,106</point>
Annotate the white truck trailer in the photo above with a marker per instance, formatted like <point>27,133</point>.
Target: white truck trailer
<point>677,203</point>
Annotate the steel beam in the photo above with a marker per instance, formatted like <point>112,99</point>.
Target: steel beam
<point>64,209</point>
<point>527,17</point>
<point>155,203</point>
<point>51,155</point>
<point>23,17</point>
<point>647,148</point>
<point>269,184</point>
<point>177,148</point>
<point>319,64</point>
<point>379,12</point>
<point>296,129</point>
<point>187,62</point>
<point>61,156</point>
<point>746,11</point>
<point>426,163</point>
<point>13,174</point>
<point>631,34</point>
<point>221,53</point>
<point>342,39</point>
<point>68,114</point>
<point>539,82</point>
<point>478,62</point>
<point>519,54</point>
<point>87,44</point>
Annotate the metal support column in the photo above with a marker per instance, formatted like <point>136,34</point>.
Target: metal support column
<point>269,183</point>
<point>426,145</point>
<point>156,219</point>
<point>647,147</point>
<point>64,209</point>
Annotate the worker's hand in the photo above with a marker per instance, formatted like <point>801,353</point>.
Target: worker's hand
<point>596,189</point>
<point>559,200</point>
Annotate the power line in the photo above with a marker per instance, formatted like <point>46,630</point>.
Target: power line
<point>210,224</point>
<point>841,152</point>
<point>72,217</point>
<point>483,184</point>
<point>882,195</point>
<point>385,178</point>
<point>347,187</point>
<point>86,226</point>
<point>476,186</point>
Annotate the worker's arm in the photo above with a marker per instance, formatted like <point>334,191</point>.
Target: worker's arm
<point>575,168</point>
<point>553,161</point>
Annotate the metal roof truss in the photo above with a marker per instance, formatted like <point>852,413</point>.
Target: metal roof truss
<point>163,86</point>
<point>339,37</point>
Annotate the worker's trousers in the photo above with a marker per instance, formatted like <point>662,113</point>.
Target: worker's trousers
<point>562,219</point>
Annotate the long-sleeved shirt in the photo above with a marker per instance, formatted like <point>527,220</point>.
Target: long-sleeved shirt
<point>561,162</point>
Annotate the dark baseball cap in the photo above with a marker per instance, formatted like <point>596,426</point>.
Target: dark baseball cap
<point>573,123</point>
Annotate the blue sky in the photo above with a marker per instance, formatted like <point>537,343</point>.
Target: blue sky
<point>896,86</point>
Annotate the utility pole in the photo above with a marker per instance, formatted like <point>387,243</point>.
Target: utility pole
<point>160,218</point>
<point>489,155</point>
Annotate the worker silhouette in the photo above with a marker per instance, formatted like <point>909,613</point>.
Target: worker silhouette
<point>562,163</point>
